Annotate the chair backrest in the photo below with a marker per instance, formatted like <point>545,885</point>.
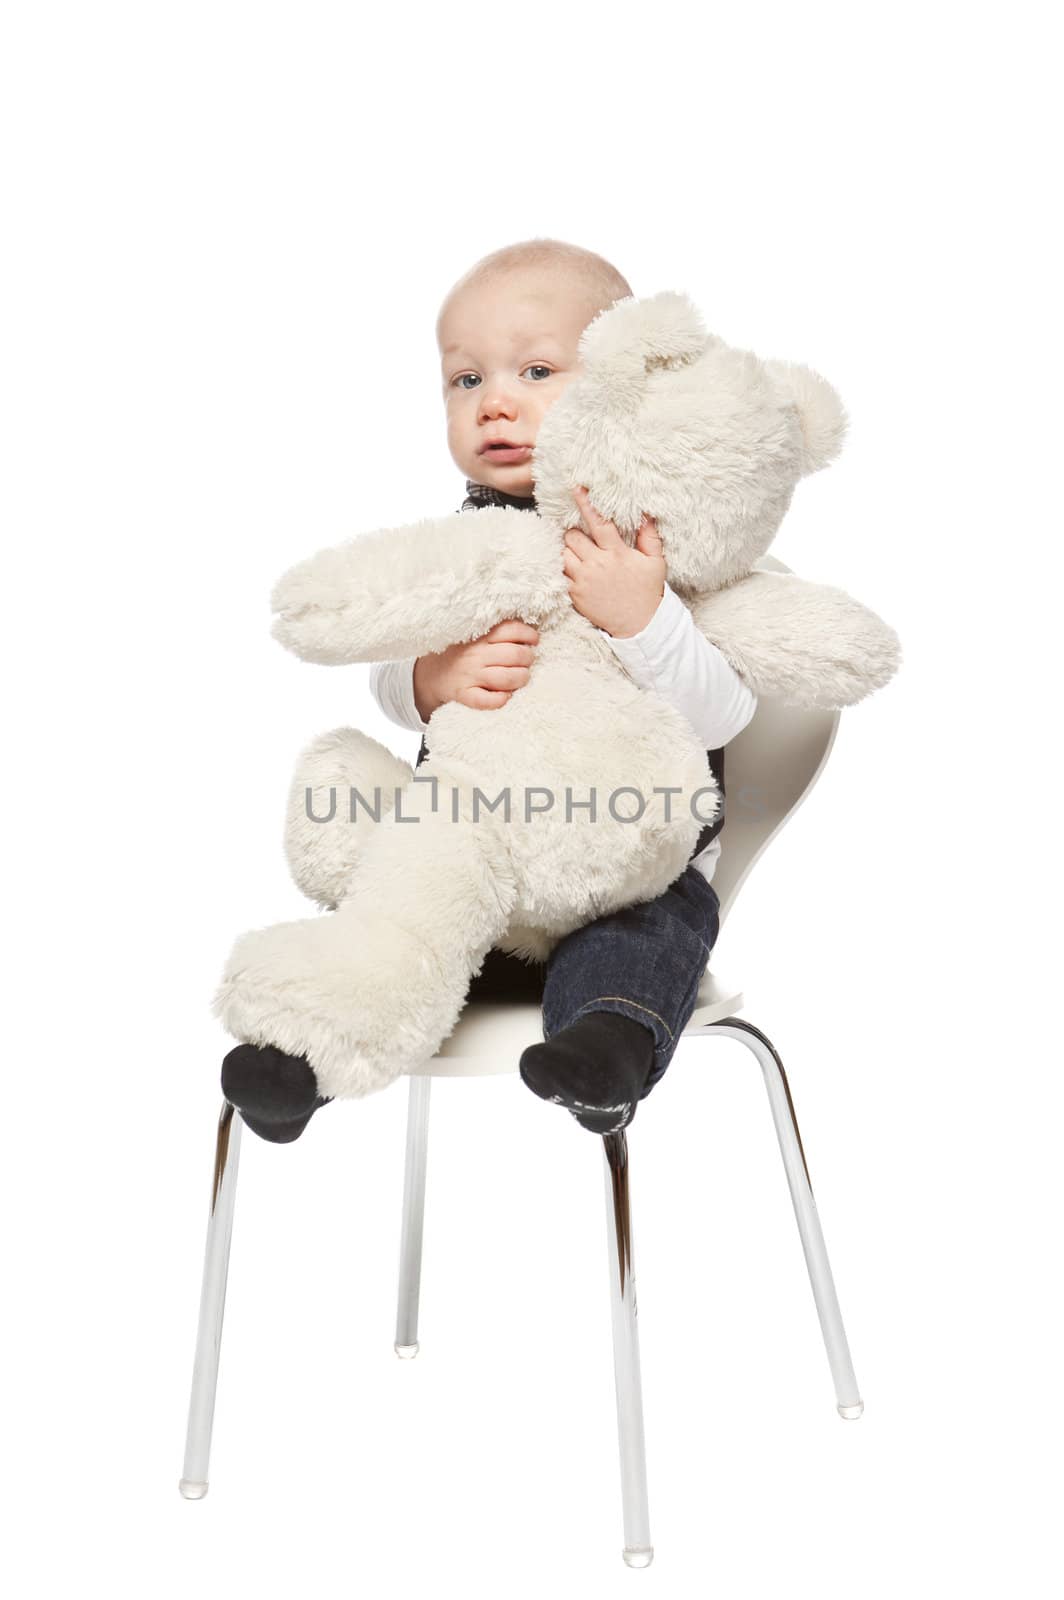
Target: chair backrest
<point>769,769</point>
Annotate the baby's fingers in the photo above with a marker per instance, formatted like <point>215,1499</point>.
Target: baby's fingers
<point>647,538</point>
<point>509,655</point>
<point>482,699</point>
<point>513,630</point>
<point>503,677</point>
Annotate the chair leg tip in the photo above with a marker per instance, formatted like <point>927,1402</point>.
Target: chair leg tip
<point>851,1413</point>
<point>191,1490</point>
<point>407,1352</point>
<point>640,1557</point>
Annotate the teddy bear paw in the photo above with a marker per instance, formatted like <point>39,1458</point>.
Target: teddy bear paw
<point>362,1005</point>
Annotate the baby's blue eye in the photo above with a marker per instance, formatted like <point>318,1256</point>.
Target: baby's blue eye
<point>539,367</point>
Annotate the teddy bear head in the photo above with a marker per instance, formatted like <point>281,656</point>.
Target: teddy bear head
<point>667,419</point>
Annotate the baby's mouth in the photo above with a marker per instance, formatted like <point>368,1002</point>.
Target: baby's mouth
<point>507,453</point>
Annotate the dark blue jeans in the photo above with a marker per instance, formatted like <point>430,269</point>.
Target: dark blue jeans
<point>645,962</point>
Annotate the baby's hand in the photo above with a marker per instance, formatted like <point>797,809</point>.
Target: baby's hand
<point>611,584</point>
<point>482,673</point>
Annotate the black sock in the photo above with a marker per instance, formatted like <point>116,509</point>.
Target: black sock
<point>276,1094</point>
<point>597,1067</point>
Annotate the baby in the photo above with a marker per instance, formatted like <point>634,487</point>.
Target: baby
<point>617,993</point>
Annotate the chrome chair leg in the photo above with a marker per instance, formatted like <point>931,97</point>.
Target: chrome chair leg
<point>417,1138</point>
<point>212,1305</point>
<point>638,1550</point>
<point>850,1404</point>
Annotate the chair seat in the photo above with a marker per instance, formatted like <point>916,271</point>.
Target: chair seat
<point>488,1038</point>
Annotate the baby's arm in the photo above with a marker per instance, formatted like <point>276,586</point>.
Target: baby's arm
<point>612,584</point>
<point>481,674</point>
<point>391,683</point>
<point>673,659</point>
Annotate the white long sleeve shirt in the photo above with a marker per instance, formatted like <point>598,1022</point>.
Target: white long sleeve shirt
<point>669,657</point>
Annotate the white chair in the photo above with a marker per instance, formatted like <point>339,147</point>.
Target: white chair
<point>769,769</point>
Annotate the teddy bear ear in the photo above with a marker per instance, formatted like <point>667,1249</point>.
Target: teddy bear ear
<point>632,335</point>
<point>820,411</point>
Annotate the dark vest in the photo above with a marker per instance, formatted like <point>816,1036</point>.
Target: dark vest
<point>481,494</point>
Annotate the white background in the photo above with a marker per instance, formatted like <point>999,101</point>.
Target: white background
<point>228,231</point>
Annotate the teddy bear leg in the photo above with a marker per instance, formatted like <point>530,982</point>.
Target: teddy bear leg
<point>343,781</point>
<point>373,989</point>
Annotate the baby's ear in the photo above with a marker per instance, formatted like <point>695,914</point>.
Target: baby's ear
<point>820,411</point>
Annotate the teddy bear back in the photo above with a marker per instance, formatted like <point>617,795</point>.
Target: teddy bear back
<point>666,418</point>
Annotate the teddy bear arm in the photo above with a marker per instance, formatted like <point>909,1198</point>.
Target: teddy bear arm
<point>806,644</point>
<point>415,590</point>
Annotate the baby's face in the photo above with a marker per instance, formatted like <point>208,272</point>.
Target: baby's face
<point>508,349</point>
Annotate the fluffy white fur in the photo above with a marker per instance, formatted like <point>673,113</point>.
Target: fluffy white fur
<point>667,419</point>
<point>340,772</point>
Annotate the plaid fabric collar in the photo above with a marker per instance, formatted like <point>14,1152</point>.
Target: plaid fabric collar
<point>482,494</point>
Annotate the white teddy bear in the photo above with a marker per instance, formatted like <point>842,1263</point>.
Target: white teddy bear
<point>666,419</point>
